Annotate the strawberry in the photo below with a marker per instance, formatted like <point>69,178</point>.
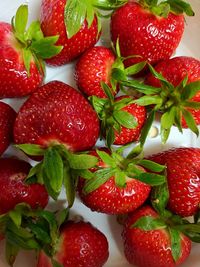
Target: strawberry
<point>118,185</point>
<point>150,29</point>
<point>21,55</point>
<point>80,244</point>
<point>183,166</point>
<point>94,66</point>
<point>14,190</point>
<point>121,119</point>
<point>55,122</point>
<point>149,240</point>
<point>7,118</point>
<point>174,70</point>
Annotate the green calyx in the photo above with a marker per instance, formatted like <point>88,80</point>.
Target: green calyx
<point>164,7</point>
<point>123,168</point>
<point>59,168</point>
<point>77,11</point>
<point>174,104</point>
<point>27,229</point>
<point>34,45</point>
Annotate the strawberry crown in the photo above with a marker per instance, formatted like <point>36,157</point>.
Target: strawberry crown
<point>174,103</point>
<point>34,45</point>
<point>28,229</point>
<point>59,167</point>
<point>133,166</point>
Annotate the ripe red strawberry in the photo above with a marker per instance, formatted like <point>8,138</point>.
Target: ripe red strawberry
<point>175,70</point>
<point>80,245</point>
<point>151,247</point>
<point>55,122</point>
<point>121,119</point>
<point>7,118</point>
<point>94,66</point>
<point>148,29</point>
<point>183,167</point>
<point>53,22</point>
<point>116,186</point>
<point>13,188</point>
<point>57,114</point>
<point>21,55</point>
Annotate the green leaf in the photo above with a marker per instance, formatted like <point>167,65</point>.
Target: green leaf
<point>31,149</point>
<point>120,178</point>
<point>82,161</point>
<point>136,68</point>
<point>101,176</point>
<point>151,165</point>
<point>53,167</point>
<point>179,7</point>
<point>147,127</point>
<point>151,178</point>
<point>21,19</point>
<point>160,197</point>
<point>106,158</point>
<point>125,119</point>
<point>190,90</point>
<point>148,223</point>
<point>175,243</point>
<point>190,121</point>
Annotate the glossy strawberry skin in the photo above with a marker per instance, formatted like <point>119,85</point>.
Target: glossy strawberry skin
<point>15,81</point>
<point>183,168</point>
<point>129,135</point>
<point>110,198</point>
<point>80,245</point>
<point>7,118</point>
<point>52,23</point>
<point>57,113</point>
<point>175,70</point>
<point>142,33</point>
<point>150,248</point>
<point>13,188</point>
<point>93,67</point>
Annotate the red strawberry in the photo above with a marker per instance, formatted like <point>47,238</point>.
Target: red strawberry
<point>121,119</point>
<point>13,188</point>
<point>183,168</point>
<point>56,113</point>
<point>54,19</point>
<point>55,122</point>
<point>148,29</point>
<point>7,118</point>
<point>21,54</point>
<point>151,247</point>
<point>175,70</point>
<point>94,66</point>
<point>115,188</point>
<point>80,245</point>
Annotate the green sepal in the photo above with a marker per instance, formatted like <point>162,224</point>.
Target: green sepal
<point>82,161</point>
<point>125,119</point>
<point>190,90</point>
<point>27,57</point>
<point>180,7</point>
<point>55,263</point>
<point>106,158</point>
<point>151,165</point>
<point>167,120</point>
<point>20,21</point>
<point>151,178</point>
<point>31,149</point>
<point>160,198</point>
<point>136,68</point>
<point>69,185</point>
<point>11,252</point>
<point>148,223</point>
<point>175,239</point>
<point>190,122</point>
<point>146,128</point>
<point>120,178</point>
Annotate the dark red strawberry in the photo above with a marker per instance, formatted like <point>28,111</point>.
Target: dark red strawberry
<point>53,16</point>
<point>148,241</point>
<point>7,118</point>
<point>14,190</point>
<point>118,185</point>
<point>183,168</point>
<point>175,70</point>
<point>94,66</point>
<point>80,245</point>
<point>21,55</point>
<point>150,29</point>
<point>121,119</point>
<point>55,122</point>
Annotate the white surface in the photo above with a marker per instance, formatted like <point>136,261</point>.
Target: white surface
<point>107,224</point>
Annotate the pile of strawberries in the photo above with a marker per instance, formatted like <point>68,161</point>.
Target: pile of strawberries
<point>120,91</point>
